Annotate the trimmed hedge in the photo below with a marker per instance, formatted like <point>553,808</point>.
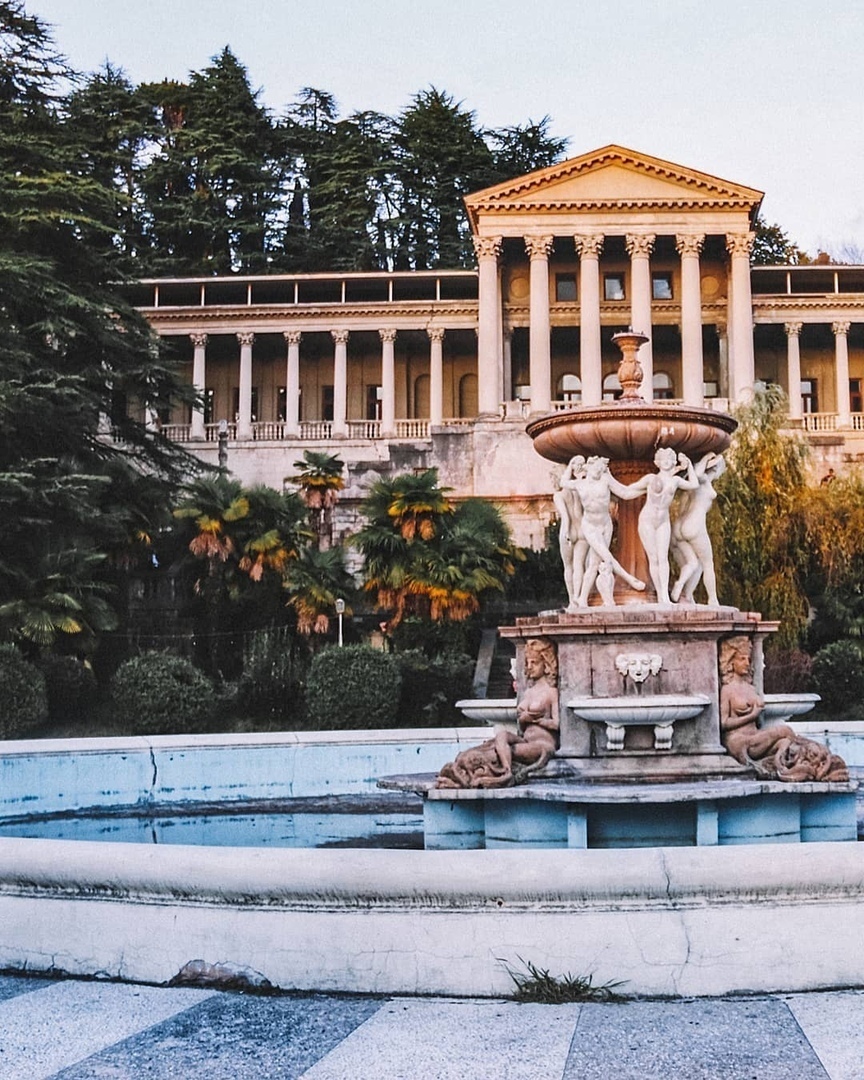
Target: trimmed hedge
<point>355,686</point>
<point>161,694</point>
<point>23,696</point>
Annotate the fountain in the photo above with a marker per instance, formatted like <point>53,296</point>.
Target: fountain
<point>647,731</point>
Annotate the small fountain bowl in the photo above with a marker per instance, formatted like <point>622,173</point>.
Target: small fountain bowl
<point>779,708</point>
<point>498,712</point>
<point>651,709</point>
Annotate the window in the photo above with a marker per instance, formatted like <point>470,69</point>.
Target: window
<point>374,394</point>
<point>613,286</point>
<point>809,396</point>
<point>209,396</point>
<point>565,287</point>
<point>855,395</point>
<point>236,403</point>
<point>282,403</point>
<point>570,389</point>
<point>710,389</point>
<point>326,402</point>
<point>661,285</point>
<point>611,388</point>
<point>663,388</point>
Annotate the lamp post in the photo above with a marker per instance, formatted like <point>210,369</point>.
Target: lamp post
<point>340,610</point>
<point>223,444</point>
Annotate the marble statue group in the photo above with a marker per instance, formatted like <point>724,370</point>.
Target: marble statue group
<point>584,508</point>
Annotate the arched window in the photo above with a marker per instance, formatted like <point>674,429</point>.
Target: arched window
<point>611,387</point>
<point>468,401</point>
<point>663,388</point>
<point>570,389</point>
<point>421,397</point>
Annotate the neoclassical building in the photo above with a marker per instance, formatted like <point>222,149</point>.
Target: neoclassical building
<point>400,371</point>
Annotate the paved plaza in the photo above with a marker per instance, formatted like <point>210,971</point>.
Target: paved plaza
<point>83,1030</point>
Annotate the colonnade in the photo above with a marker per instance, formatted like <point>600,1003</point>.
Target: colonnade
<point>840,329</point>
<point>293,338</point>
<point>589,247</point>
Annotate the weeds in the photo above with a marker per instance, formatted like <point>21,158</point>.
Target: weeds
<point>536,984</point>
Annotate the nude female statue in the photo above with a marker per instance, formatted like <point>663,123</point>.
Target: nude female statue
<point>691,544</point>
<point>511,756</point>
<point>594,490</point>
<point>571,542</point>
<point>655,526</point>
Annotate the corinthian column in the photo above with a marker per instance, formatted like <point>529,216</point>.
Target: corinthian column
<point>292,383</point>
<point>436,375</point>
<point>340,382</point>
<point>487,249</point>
<point>639,249</point>
<point>539,335</point>
<point>739,246</point>
<point>793,368</point>
<point>388,382</point>
<point>841,373</point>
<point>199,381</point>
<point>244,411</point>
<point>590,361</point>
<point>692,370</point>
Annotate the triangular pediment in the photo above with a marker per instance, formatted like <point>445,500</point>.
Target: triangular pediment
<point>612,177</point>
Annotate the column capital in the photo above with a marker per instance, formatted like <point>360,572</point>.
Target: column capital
<point>840,329</point>
<point>689,244</point>
<point>388,334</point>
<point>199,340</point>
<point>793,329</point>
<point>292,337</point>
<point>740,243</point>
<point>246,337</point>
<point>539,247</point>
<point>436,333</point>
<point>639,244</point>
<point>340,336</point>
<point>589,246</point>
<point>487,247</point>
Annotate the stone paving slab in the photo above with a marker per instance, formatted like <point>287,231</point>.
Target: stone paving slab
<point>698,1039</point>
<point>454,1040</point>
<point>834,1026</point>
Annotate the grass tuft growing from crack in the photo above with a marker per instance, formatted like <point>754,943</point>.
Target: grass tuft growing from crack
<point>538,985</point>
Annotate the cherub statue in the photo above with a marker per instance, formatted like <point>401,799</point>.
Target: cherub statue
<point>510,757</point>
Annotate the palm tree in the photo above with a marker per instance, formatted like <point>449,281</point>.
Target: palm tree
<point>314,582</point>
<point>422,556</point>
<point>320,480</point>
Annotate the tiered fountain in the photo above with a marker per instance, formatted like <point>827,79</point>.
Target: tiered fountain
<point>638,707</point>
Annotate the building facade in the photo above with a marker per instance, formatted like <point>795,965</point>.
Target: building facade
<point>402,371</point>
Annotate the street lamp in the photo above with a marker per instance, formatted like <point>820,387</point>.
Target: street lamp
<point>340,611</point>
<point>223,444</point>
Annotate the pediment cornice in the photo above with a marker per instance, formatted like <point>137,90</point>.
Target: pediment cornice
<point>557,188</point>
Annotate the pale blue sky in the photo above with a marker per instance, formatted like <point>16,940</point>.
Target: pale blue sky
<point>765,92</point>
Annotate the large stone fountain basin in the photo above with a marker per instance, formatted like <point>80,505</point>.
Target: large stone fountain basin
<point>624,431</point>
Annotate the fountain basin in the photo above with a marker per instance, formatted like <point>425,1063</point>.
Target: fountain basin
<point>658,710</point>
<point>500,712</point>
<point>780,708</point>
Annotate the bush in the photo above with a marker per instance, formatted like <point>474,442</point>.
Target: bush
<point>352,687</point>
<point>838,677</point>
<point>158,694</point>
<point>71,686</point>
<point>23,694</point>
<point>437,638</point>
<point>432,686</point>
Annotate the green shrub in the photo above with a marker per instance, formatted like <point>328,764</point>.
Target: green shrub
<point>352,687</point>
<point>437,638</point>
<point>157,694</point>
<point>838,677</point>
<point>431,686</point>
<point>71,685</point>
<point>22,693</point>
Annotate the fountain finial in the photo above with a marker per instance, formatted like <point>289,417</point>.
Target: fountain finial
<point>630,370</point>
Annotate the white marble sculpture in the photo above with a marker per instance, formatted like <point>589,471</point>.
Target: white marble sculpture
<point>571,542</point>
<point>691,544</point>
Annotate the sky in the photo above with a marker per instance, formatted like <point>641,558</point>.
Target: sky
<point>767,93</point>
